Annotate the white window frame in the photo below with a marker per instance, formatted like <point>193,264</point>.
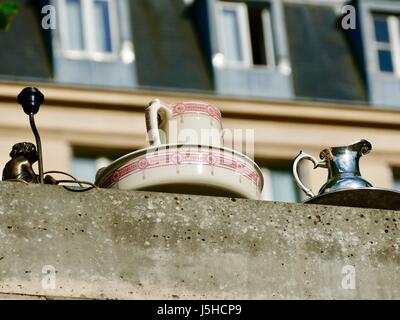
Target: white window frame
<point>89,52</point>
<point>268,38</point>
<point>393,23</point>
<point>244,30</point>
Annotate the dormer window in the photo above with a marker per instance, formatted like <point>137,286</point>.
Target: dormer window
<point>387,43</point>
<point>89,28</point>
<point>245,36</point>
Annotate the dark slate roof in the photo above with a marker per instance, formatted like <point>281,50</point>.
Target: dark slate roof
<point>24,49</point>
<point>322,58</point>
<point>167,46</point>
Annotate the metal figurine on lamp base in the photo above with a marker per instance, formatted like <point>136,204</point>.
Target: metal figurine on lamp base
<point>25,154</point>
<point>19,168</point>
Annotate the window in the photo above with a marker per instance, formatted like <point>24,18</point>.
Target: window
<point>89,28</point>
<point>244,34</point>
<point>75,25</point>
<point>387,43</point>
<point>279,184</point>
<point>234,33</point>
<point>261,35</point>
<point>86,161</point>
<point>396,178</point>
<point>85,168</point>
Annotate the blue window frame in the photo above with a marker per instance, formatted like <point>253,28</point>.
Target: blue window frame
<point>381,29</point>
<point>385,60</point>
<point>103,27</point>
<point>387,43</point>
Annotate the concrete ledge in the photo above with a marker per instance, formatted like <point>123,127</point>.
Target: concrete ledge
<point>136,245</point>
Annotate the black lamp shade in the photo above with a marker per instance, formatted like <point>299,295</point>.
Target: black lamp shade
<point>30,98</point>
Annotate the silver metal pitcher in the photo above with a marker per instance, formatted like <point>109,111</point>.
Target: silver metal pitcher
<point>342,164</point>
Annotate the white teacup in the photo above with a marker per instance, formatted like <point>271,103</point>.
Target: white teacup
<point>184,123</point>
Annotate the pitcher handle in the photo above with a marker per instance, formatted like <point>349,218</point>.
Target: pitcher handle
<point>152,122</point>
<point>317,164</point>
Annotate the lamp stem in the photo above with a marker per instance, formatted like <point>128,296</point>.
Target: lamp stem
<point>39,147</point>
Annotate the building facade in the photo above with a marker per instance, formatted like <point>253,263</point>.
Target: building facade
<point>285,68</point>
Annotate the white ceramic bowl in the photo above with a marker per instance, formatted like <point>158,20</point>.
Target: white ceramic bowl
<point>188,169</point>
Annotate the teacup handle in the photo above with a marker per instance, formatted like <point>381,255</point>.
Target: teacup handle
<point>152,122</point>
<point>317,164</point>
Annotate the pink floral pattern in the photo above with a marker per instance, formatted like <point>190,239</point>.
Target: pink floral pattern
<point>194,156</point>
<point>196,107</point>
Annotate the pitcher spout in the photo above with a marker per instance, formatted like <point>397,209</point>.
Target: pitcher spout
<point>362,146</point>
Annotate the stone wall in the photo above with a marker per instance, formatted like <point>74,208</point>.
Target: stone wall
<point>136,245</point>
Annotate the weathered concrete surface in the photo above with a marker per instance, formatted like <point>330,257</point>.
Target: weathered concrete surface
<point>130,245</point>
